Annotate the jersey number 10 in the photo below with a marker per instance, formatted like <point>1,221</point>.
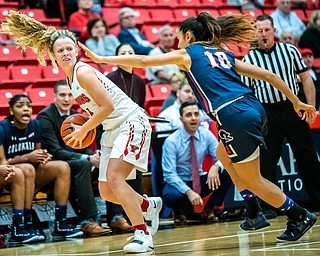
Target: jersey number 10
<point>221,57</point>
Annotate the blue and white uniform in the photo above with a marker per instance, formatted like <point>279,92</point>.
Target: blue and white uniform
<point>221,93</point>
<point>127,128</point>
<point>17,142</point>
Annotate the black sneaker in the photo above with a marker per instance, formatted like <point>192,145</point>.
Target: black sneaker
<point>63,229</point>
<point>21,235</point>
<point>256,223</point>
<point>296,229</point>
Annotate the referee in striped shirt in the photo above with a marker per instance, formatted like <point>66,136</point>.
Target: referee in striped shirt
<point>283,122</point>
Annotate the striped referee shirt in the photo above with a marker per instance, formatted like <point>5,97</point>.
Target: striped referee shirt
<point>283,60</point>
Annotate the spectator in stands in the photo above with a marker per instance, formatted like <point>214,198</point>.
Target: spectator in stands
<point>171,113</point>
<point>135,87</point>
<point>21,147</point>
<point>100,41</point>
<point>162,74</point>
<point>79,19</point>
<point>252,4</point>
<point>124,77</point>
<point>311,37</point>
<point>175,80</point>
<point>13,179</point>
<point>80,161</point>
<point>179,191</point>
<point>287,20</point>
<point>286,37</point>
<point>307,56</point>
<point>130,34</point>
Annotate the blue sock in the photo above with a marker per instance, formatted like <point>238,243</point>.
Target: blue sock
<point>288,204</point>
<point>18,212</point>
<point>247,194</point>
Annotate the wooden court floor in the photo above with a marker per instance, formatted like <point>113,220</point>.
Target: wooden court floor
<point>197,239</point>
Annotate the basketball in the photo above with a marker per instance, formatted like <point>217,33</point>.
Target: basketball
<point>77,119</point>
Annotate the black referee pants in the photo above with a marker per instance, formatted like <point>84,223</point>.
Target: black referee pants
<point>283,122</point>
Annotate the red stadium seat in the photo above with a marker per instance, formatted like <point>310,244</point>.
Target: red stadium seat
<point>142,15</point>
<point>51,72</point>
<point>7,4</point>
<point>7,83</point>
<point>40,15</point>
<point>253,13</point>
<point>30,57</point>
<point>4,11</point>
<point>312,5</point>
<point>41,97</point>
<point>183,13</point>
<point>50,76</point>
<point>212,11</point>
<point>214,3</point>
<point>110,14</point>
<point>144,3</point>
<point>116,3</point>
<point>270,10</point>
<point>162,15</point>
<point>6,95</point>
<point>154,111</point>
<point>189,3</point>
<point>301,15</point>
<point>160,90</point>
<point>151,32</point>
<point>154,101</point>
<point>28,73</point>
<point>229,10</point>
<point>316,62</point>
<point>167,3</point>
<point>9,54</point>
<point>108,68</point>
<point>148,92</point>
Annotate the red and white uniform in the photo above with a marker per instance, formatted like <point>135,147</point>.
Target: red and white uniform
<point>127,128</point>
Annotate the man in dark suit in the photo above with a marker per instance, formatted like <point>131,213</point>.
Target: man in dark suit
<point>80,161</point>
<point>129,34</point>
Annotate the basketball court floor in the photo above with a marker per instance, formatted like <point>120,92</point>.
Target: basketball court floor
<point>222,238</point>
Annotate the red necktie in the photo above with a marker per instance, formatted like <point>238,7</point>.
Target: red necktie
<point>196,186</point>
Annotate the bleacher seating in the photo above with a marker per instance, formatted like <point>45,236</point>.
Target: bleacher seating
<point>4,11</point>
<point>40,15</point>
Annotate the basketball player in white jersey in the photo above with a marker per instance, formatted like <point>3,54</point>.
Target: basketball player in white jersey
<point>126,140</point>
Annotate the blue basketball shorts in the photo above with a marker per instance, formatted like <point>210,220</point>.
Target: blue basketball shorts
<point>241,127</point>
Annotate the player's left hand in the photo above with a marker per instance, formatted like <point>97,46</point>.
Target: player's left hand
<point>306,112</point>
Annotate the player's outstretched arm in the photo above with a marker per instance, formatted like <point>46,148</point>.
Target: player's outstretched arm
<point>305,111</point>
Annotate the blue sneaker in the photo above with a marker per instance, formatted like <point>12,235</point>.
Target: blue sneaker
<point>296,229</point>
<point>21,235</point>
<point>63,229</point>
<point>259,222</point>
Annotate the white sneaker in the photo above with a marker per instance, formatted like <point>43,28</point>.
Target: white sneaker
<point>152,213</point>
<point>140,243</point>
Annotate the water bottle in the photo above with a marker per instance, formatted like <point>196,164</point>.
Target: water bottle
<point>51,222</point>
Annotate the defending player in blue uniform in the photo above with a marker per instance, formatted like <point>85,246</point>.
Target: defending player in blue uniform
<point>214,77</point>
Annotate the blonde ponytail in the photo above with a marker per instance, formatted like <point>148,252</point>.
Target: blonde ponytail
<point>28,32</point>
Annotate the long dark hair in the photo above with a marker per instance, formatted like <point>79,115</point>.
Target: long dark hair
<point>235,29</point>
